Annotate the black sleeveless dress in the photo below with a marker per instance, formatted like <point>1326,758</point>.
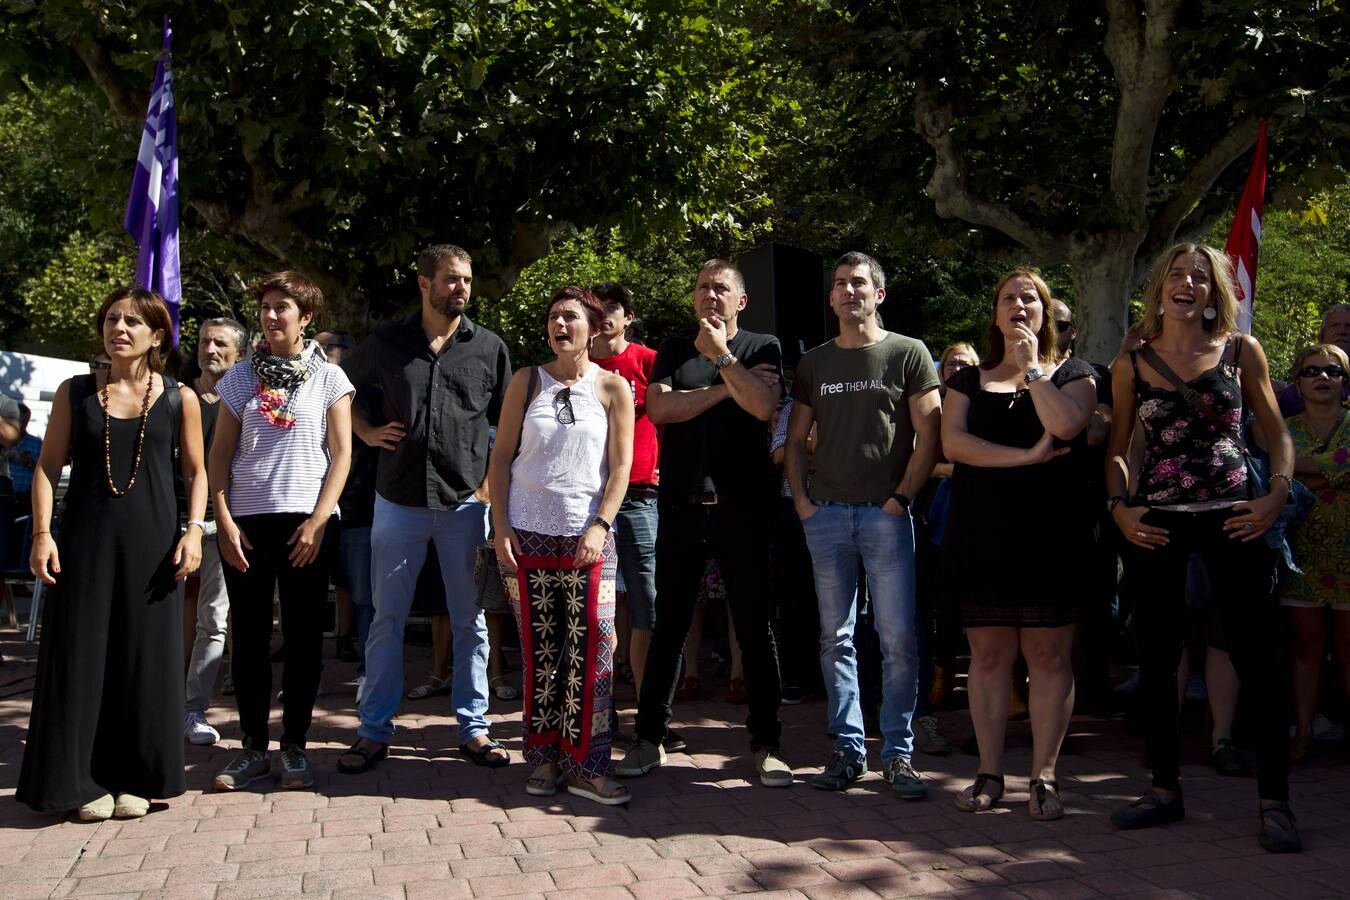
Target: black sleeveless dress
<point>1016,538</point>
<point>107,707</point>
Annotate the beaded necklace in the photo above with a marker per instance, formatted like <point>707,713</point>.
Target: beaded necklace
<point>140,438</point>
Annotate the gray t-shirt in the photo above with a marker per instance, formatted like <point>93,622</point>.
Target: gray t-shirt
<point>864,436</point>
<point>9,409</point>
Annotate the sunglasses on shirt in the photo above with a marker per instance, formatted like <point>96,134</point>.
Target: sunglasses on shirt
<point>562,407</point>
<point>1331,371</point>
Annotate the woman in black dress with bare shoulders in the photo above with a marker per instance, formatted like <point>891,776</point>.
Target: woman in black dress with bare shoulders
<point>105,732</point>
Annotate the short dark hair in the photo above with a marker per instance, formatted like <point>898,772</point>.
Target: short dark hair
<point>344,339</point>
<point>614,292</point>
<point>150,307</point>
<point>25,414</point>
<point>590,305</point>
<point>306,294</point>
<point>717,264</point>
<point>240,332</point>
<point>856,258</point>
<point>429,260</point>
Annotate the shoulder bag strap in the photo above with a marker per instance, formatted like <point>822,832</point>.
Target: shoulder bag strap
<point>1191,395</point>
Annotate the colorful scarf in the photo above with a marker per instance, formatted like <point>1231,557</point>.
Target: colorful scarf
<point>279,376</point>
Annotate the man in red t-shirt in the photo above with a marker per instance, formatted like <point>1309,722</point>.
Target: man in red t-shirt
<point>635,526</point>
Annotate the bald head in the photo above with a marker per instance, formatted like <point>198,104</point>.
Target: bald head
<point>1064,324</point>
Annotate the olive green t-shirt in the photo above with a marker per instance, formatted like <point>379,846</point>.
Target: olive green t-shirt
<point>864,436</point>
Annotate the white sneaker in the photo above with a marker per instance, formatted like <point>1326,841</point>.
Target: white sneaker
<point>196,730</point>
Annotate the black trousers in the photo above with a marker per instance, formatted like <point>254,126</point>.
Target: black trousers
<point>794,584</point>
<point>736,535</point>
<point>1243,579</point>
<point>303,592</point>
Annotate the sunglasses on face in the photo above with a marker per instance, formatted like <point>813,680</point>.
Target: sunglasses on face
<point>1331,371</point>
<point>1064,324</point>
<point>562,407</point>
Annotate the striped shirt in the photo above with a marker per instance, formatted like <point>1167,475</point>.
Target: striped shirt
<point>280,470</point>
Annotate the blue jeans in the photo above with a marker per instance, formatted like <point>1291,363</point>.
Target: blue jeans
<point>635,539</point>
<point>398,547</point>
<point>838,534</point>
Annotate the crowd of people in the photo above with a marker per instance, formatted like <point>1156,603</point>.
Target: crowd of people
<point>896,499</point>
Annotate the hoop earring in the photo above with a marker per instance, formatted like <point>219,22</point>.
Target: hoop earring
<point>1210,314</point>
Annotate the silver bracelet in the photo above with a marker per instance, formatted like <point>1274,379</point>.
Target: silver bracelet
<point>1289,481</point>
<point>198,522</point>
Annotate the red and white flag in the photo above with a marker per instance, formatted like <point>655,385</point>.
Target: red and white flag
<point>1244,238</point>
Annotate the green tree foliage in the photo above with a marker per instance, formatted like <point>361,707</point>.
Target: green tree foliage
<point>60,303</point>
<point>1087,134</point>
<point>1303,270</point>
<point>342,136</point>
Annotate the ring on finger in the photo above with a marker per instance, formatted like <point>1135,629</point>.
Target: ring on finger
<point>1247,526</point>
<point>1140,534</point>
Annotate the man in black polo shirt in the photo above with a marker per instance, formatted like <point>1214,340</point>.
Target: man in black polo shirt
<point>713,393</point>
<point>442,379</point>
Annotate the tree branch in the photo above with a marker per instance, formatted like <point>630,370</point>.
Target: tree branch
<point>124,102</point>
<point>950,190</point>
<point>1141,61</point>
<point>1198,181</point>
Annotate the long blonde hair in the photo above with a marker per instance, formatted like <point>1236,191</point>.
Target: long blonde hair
<point>1222,293</point>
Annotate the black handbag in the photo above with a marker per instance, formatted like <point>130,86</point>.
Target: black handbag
<point>491,593</point>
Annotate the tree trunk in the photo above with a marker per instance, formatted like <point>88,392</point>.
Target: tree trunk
<point>1104,276</point>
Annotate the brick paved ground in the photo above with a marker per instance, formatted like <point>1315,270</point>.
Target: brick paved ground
<point>429,824</point>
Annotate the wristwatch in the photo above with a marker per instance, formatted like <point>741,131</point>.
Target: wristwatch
<point>1033,374</point>
<point>724,360</point>
<point>1113,502</point>
<point>602,523</point>
<point>901,499</point>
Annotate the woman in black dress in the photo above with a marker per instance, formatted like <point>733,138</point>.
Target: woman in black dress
<point>1004,425</point>
<point>105,733</point>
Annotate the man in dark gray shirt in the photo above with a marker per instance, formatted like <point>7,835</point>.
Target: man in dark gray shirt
<point>442,379</point>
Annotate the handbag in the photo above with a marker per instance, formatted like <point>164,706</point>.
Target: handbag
<point>1300,502</point>
<point>491,589</point>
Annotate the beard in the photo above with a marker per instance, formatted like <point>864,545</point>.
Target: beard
<point>448,304</point>
<point>217,368</point>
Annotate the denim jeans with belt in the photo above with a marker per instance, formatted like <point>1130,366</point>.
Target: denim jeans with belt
<point>838,534</point>
<point>398,547</point>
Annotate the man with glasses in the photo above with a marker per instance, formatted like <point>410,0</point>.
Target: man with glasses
<point>713,393</point>
<point>872,396</point>
<point>441,378</point>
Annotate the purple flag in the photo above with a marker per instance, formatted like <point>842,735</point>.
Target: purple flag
<point>152,208</point>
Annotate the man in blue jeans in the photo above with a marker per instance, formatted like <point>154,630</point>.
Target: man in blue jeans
<point>872,396</point>
<point>442,378</point>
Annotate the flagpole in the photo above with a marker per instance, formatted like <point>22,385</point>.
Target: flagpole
<point>152,206</point>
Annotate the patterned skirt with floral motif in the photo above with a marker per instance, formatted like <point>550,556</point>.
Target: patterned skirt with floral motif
<point>565,617</point>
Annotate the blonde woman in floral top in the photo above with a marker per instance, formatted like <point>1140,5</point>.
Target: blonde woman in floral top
<point>1321,545</point>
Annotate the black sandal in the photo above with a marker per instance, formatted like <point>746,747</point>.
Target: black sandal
<point>972,803</point>
<point>369,758</point>
<point>1043,789</point>
<point>483,755</point>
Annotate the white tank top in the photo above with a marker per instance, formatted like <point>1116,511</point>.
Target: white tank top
<point>560,472</point>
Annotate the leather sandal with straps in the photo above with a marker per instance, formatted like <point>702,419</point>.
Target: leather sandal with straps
<point>973,798</point>
<point>1045,805</point>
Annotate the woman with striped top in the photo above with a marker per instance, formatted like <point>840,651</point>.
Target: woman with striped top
<point>278,464</point>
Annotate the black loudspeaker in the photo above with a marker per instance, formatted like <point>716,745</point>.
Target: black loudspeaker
<point>788,290</point>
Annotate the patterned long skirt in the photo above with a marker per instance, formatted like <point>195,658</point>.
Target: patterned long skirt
<point>565,617</point>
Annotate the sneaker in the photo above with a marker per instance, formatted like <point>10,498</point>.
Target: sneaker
<point>773,772</point>
<point>905,782</point>
<point>673,743</point>
<point>246,767</point>
<point>296,775</point>
<point>641,759</point>
<point>227,686</point>
<point>792,695</point>
<point>1195,688</point>
<point>1130,685</point>
<point>1149,810</point>
<point>927,739</point>
<point>842,770</point>
<point>196,730</point>
<point>1323,729</point>
<point>1227,760</point>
